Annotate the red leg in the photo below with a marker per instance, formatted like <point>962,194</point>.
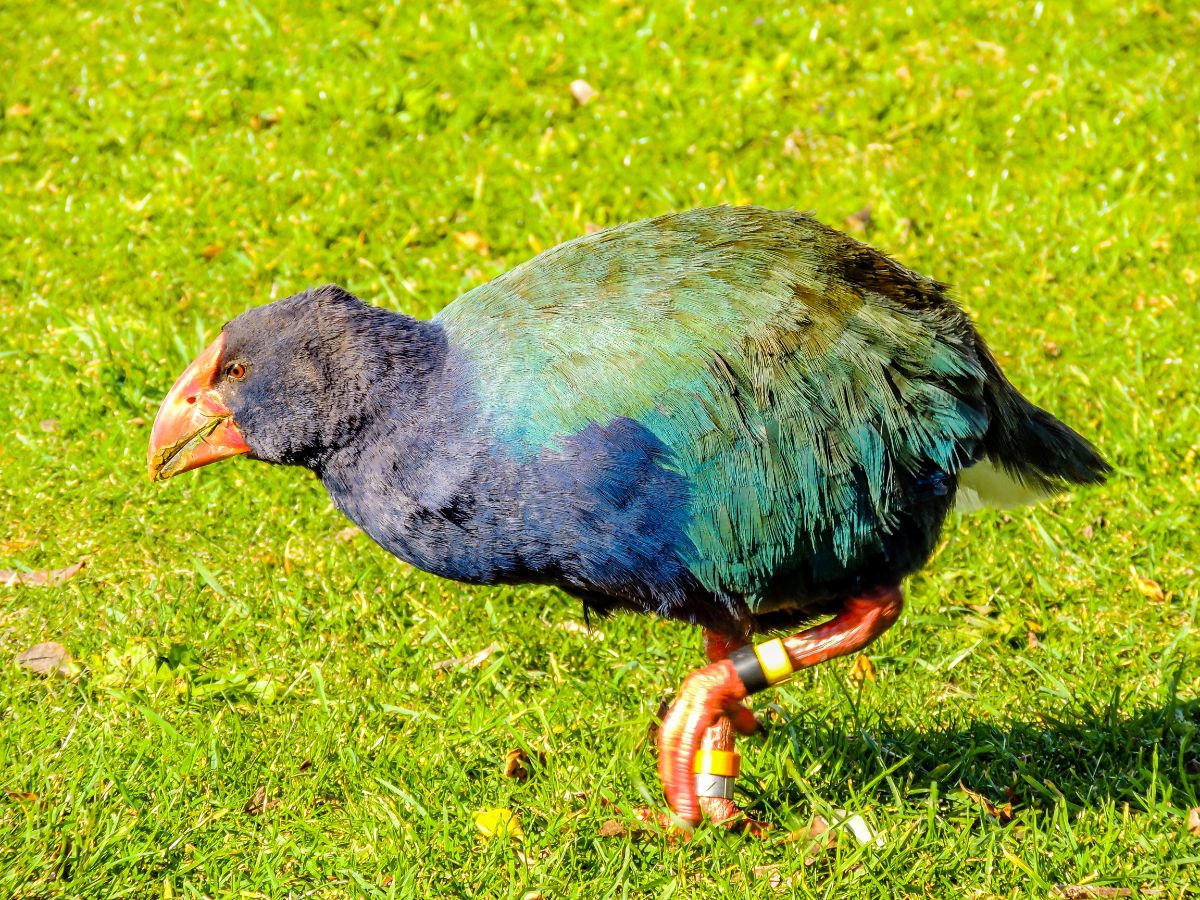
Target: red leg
<point>861,620</point>
<point>722,736</point>
<point>716,691</point>
<point>718,646</point>
<point>718,736</point>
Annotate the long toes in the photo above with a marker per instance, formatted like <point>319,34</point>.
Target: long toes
<point>726,814</point>
<point>660,821</point>
<point>719,811</point>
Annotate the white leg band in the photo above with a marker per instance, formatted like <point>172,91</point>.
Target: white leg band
<point>714,786</point>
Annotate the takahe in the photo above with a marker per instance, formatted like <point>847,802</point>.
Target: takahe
<point>735,417</point>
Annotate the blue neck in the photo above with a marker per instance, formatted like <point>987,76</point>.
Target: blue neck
<point>430,481</point>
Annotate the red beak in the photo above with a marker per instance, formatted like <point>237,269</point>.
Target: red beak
<point>193,427</point>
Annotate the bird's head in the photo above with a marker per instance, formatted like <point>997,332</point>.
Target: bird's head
<point>283,383</point>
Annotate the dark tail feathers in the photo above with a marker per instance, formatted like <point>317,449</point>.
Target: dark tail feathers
<point>1030,443</point>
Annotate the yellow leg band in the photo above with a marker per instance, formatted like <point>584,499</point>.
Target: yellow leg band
<point>774,659</point>
<point>717,762</point>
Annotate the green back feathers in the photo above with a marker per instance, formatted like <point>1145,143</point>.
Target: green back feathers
<point>801,380</point>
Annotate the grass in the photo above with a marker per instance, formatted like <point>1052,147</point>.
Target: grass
<point>164,166</point>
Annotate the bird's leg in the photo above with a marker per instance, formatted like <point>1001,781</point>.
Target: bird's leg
<point>717,691</point>
<point>715,790</point>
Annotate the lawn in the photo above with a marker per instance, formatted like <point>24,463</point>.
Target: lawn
<point>261,711</point>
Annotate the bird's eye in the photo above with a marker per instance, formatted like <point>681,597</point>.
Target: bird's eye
<point>236,371</point>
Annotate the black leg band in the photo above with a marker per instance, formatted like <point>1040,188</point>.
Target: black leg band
<point>749,669</point>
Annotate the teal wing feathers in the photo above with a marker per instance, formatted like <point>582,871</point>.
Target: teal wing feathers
<point>802,382</point>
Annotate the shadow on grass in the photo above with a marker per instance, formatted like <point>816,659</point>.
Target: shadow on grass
<point>1081,757</point>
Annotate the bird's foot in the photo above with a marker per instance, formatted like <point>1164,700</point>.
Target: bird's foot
<point>711,698</point>
<point>721,812</point>
<point>726,813</point>
<point>657,819</point>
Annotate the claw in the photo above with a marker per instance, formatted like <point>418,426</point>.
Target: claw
<point>726,814</point>
<point>721,812</point>
<point>707,694</point>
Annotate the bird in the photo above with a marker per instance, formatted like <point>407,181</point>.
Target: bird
<point>734,417</point>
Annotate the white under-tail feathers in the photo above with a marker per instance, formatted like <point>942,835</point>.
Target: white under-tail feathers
<point>986,484</point>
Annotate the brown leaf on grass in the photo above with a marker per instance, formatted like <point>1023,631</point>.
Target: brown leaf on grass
<point>258,802</point>
<point>474,661</point>
<point>347,534</point>
<point>18,111</point>
<point>20,796</point>
<point>254,806</point>
<point>40,578</point>
<point>1149,588</point>
<point>48,658</point>
<point>642,827</point>
<point>583,92</point>
<point>212,251</point>
<point>613,828</point>
<point>517,764</point>
<point>1085,891</point>
<point>774,878</point>
<point>642,823</point>
<point>1003,813</point>
<point>861,672</point>
<point>1193,821</point>
<point>859,222</point>
<point>816,828</point>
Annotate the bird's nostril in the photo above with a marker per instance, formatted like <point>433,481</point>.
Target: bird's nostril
<point>191,399</point>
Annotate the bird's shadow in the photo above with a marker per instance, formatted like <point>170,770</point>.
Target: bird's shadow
<point>1081,756</point>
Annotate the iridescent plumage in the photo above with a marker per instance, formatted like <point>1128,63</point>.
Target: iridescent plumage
<point>818,398</point>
